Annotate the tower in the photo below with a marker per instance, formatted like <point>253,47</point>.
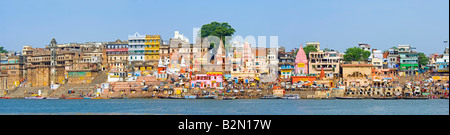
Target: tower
<point>53,47</point>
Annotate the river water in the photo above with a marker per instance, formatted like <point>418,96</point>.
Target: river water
<point>223,107</point>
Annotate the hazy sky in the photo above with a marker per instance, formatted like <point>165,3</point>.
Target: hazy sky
<point>337,24</point>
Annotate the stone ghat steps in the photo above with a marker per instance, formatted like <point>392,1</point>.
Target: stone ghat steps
<point>81,88</point>
<point>101,78</point>
<point>22,92</point>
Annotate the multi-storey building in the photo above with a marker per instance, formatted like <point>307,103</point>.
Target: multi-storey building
<point>328,61</point>
<point>364,46</point>
<point>242,62</point>
<point>38,63</point>
<point>152,45</point>
<point>13,68</point>
<point>260,60</point>
<point>136,47</point>
<point>286,64</point>
<point>164,51</point>
<point>117,59</point>
<point>441,72</point>
<point>409,63</point>
<point>393,59</point>
<point>377,59</point>
<point>357,74</point>
<point>272,60</point>
<point>63,63</point>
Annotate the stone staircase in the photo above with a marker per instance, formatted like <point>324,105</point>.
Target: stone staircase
<point>80,88</point>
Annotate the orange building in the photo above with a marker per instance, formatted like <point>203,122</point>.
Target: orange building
<point>311,79</point>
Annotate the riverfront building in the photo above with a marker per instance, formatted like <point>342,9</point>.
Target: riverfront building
<point>117,59</point>
<point>409,64</point>
<point>328,61</point>
<point>152,45</point>
<point>357,74</point>
<point>136,48</point>
<point>286,64</point>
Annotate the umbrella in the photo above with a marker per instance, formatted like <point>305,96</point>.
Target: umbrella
<point>235,91</point>
<point>242,90</point>
<point>258,90</point>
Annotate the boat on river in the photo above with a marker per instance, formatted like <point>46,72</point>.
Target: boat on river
<point>207,97</point>
<point>173,97</point>
<point>270,97</point>
<point>229,98</point>
<point>73,98</point>
<point>38,97</point>
<point>385,98</point>
<point>415,98</point>
<point>5,98</point>
<point>349,98</point>
<point>291,96</point>
<point>162,97</point>
<point>34,97</point>
<point>190,97</point>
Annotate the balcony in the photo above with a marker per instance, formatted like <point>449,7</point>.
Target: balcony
<point>324,69</point>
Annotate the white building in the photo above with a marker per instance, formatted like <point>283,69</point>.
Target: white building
<point>364,46</point>
<point>377,58</point>
<point>136,49</point>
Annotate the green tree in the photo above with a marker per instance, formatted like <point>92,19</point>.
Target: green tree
<point>327,50</point>
<point>220,30</point>
<point>308,49</point>
<point>356,54</point>
<point>2,50</point>
<point>423,60</point>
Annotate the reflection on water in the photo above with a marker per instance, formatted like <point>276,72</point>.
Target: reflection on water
<point>223,107</point>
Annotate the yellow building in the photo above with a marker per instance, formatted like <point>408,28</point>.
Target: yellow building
<point>152,44</point>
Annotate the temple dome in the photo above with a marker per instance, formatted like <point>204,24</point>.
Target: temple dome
<point>301,56</point>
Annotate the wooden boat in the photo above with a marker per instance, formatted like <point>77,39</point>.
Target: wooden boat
<point>162,97</point>
<point>190,97</point>
<point>34,97</point>
<point>349,98</point>
<point>172,97</point>
<point>118,98</point>
<point>73,98</point>
<point>270,97</point>
<point>5,98</point>
<point>229,98</point>
<point>385,98</point>
<point>327,98</point>
<point>293,96</point>
<point>206,97</point>
<point>415,98</point>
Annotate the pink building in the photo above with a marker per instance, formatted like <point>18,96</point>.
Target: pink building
<point>209,80</point>
<point>301,62</point>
